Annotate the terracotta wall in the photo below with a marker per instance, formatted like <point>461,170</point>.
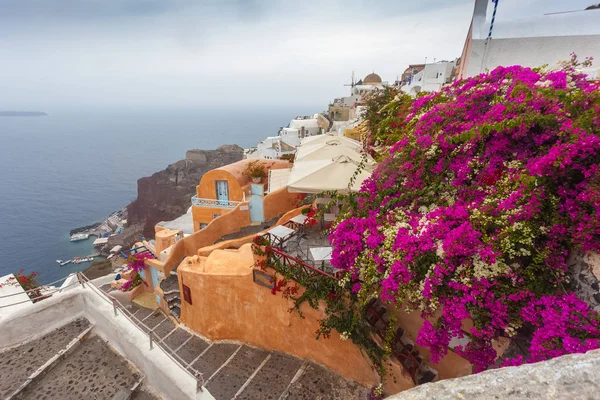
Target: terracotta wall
<point>164,238</point>
<point>238,185</point>
<point>227,304</point>
<point>279,202</point>
<point>205,215</point>
<point>207,188</point>
<point>275,204</point>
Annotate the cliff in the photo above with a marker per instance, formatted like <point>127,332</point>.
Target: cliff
<point>167,194</point>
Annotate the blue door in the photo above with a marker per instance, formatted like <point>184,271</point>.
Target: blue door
<point>222,193</point>
<point>255,203</point>
<point>256,209</point>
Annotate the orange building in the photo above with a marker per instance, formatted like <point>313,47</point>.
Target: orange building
<point>222,189</point>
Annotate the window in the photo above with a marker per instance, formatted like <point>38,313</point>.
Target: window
<point>222,189</point>
<point>202,226</point>
<point>216,216</point>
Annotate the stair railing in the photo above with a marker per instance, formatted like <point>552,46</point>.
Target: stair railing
<point>118,306</point>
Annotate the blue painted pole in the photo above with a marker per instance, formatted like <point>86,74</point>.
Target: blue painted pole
<point>493,18</point>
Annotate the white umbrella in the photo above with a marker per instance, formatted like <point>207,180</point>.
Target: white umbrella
<point>323,175</point>
<point>320,139</point>
<point>328,150</point>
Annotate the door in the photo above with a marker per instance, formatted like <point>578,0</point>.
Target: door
<point>255,203</point>
<point>256,208</point>
<point>222,193</point>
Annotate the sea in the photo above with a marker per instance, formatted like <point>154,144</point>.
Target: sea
<point>75,167</point>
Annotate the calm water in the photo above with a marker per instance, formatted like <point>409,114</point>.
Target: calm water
<point>73,168</point>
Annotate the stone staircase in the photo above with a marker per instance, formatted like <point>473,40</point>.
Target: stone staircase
<point>170,288</point>
<point>68,363</point>
<point>238,371</point>
<point>235,370</point>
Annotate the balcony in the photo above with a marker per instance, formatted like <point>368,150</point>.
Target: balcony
<point>213,203</point>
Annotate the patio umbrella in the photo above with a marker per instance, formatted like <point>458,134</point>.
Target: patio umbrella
<point>320,139</point>
<point>317,176</point>
<point>327,151</point>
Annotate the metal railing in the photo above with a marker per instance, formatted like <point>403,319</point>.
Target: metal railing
<point>213,203</point>
<point>152,340</point>
<point>37,295</point>
<point>136,250</point>
<point>293,262</point>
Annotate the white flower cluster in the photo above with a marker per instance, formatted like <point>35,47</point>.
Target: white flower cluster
<point>344,336</point>
<point>481,269</point>
<point>519,240</point>
<point>431,152</point>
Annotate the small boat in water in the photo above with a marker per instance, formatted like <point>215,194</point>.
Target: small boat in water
<point>79,236</point>
<point>63,263</point>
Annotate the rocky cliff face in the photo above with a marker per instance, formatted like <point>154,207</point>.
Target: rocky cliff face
<point>166,194</point>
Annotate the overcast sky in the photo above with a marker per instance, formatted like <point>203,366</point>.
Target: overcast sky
<point>156,53</point>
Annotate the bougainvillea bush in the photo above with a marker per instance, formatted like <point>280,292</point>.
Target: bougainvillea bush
<point>137,263</point>
<point>472,215</point>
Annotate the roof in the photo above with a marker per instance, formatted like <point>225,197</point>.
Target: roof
<point>306,123</point>
<point>321,175</point>
<point>11,292</point>
<point>236,169</point>
<point>100,241</point>
<point>372,79</point>
<point>184,223</point>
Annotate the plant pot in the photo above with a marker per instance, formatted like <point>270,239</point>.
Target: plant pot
<point>256,180</point>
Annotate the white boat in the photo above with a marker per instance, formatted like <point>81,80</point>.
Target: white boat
<point>59,261</point>
<point>65,262</point>
<point>79,236</point>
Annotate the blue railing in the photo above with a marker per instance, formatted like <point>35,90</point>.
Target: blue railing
<point>136,250</point>
<point>213,203</point>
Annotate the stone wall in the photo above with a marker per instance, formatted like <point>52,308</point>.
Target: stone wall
<point>573,376</point>
<point>585,270</point>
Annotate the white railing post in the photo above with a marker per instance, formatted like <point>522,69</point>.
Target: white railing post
<point>199,382</point>
<point>150,333</point>
<point>80,279</point>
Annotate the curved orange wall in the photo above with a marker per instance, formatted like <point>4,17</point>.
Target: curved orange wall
<point>227,304</point>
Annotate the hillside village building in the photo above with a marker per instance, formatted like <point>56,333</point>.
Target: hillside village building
<point>345,108</point>
<point>275,147</point>
<point>431,77</point>
<point>530,42</point>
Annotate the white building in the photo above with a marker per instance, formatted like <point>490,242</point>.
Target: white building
<point>431,78</point>
<point>370,83</point>
<point>532,42</point>
<point>287,139</point>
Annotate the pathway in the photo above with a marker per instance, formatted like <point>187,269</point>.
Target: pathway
<point>235,370</point>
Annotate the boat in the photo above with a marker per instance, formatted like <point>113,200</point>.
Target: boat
<point>79,236</point>
<point>59,261</point>
<point>63,263</point>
